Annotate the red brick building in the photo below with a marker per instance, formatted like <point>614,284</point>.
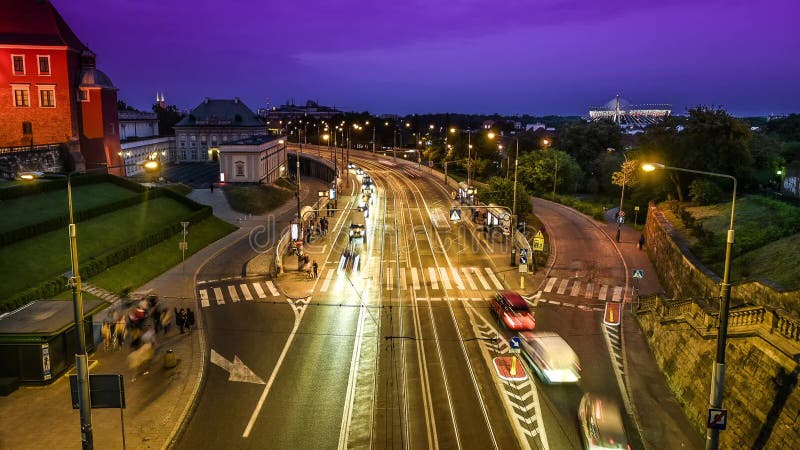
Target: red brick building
<point>50,90</point>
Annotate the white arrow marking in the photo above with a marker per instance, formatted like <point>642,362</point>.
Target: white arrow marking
<point>237,370</point>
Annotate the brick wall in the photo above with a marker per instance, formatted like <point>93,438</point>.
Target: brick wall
<point>50,159</point>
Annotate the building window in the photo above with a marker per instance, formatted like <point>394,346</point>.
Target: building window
<point>194,155</point>
<point>213,140</point>
<point>19,64</point>
<point>27,128</point>
<point>224,138</point>
<point>202,140</point>
<point>83,95</point>
<point>22,96</point>
<point>47,97</point>
<point>44,65</point>
<point>239,168</point>
<point>183,155</point>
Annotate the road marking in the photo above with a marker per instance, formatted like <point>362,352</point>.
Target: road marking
<point>234,294</point>
<point>603,291</point>
<point>617,296</point>
<point>550,283</point>
<point>563,286</point>
<point>496,282</point>
<point>403,284</point>
<point>204,298</point>
<point>445,278</point>
<point>472,286</point>
<point>432,275</point>
<point>588,293</point>
<point>259,290</point>
<point>481,278</point>
<point>218,296</point>
<point>576,289</point>
<point>327,282</point>
<point>272,289</point>
<point>457,278</point>
<point>246,292</point>
<point>389,279</point>
<point>414,278</point>
<point>553,302</point>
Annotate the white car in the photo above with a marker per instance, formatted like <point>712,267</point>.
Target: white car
<point>550,357</point>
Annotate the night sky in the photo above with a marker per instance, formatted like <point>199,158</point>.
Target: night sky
<point>471,56</point>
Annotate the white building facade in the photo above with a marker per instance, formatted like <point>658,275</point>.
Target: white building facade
<point>259,159</point>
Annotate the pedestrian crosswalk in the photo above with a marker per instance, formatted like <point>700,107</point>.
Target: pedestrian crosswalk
<point>433,278</point>
<point>235,292</point>
<point>575,288</point>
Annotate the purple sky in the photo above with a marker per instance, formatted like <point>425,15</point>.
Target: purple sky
<point>472,56</point>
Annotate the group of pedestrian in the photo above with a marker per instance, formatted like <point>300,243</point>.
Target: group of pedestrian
<point>184,318</point>
<point>323,226</point>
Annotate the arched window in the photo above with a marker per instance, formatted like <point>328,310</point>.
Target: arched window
<point>239,168</point>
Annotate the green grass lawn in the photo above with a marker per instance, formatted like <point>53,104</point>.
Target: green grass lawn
<point>161,257</point>
<point>31,209</point>
<point>776,261</point>
<point>37,259</point>
<point>256,199</point>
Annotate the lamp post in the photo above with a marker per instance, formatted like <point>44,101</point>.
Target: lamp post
<point>718,370</point>
<point>513,201</point>
<point>545,143</point>
<point>622,194</point>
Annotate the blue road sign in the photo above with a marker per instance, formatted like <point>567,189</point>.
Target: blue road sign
<point>717,418</point>
<point>515,344</point>
<point>638,273</point>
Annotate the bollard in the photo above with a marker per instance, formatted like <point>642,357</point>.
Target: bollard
<point>169,359</point>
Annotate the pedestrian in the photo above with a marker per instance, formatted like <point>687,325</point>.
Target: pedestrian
<point>315,267</point>
<point>212,188</point>
<point>119,331</point>
<point>189,319</point>
<point>180,318</point>
<point>641,241</point>
<point>166,320</point>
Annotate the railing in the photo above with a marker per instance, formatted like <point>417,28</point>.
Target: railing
<point>786,327</point>
<point>29,148</point>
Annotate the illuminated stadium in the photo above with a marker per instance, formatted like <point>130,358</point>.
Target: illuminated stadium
<point>630,116</point>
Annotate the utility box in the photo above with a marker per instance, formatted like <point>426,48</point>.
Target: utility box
<point>37,341</point>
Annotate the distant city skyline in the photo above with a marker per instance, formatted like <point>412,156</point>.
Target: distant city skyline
<point>467,56</point>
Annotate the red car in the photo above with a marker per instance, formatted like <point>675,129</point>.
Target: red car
<point>513,310</point>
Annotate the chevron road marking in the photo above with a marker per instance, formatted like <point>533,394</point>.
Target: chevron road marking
<point>218,296</point>
<point>204,298</point>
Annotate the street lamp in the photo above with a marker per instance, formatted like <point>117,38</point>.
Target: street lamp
<point>514,201</point>
<point>718,370</point>
<point>469,151</point>
<point>545,144</point>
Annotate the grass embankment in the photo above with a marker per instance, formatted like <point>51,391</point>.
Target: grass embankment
<point>766,239</point>
<point>161,257</point>
<point>33,209</point>
<point>38,259</point>
<point>255,199</point>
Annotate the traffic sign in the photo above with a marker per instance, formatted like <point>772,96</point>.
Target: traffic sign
<point>455,214</point>
<point>717,418</point>
<point>538,241</point>
<point>515,344</point>
<point>183,245</point>
<point>523,252</point>
<point>638,273</point>
<point>635,208</point>
<point>613,314</point>
<point>621,219</point>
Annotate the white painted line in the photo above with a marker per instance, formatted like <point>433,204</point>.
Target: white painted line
<point>246,292</point>
<point>445,278</point>
<point>617,296</point>
<point>259,290</point>
<point>481,278</point>
<point>496,282</point>
<point>472,286</point>
<point>603,291</point>
<point>550,283</point>
<point>414,278</point>
<point>588,293</point>
<point>327,282</point>
<point>432,275</point>
<point>563,286</point>
<point>218,296</point>
<point>576,289</point>
<point>272,289</point>
<point>234,294</point>
<point>389,279</point>
<point>476,299</point>
<point>403,284</point>
<point>553,302</point>
<point>457,278</point>
<point>436,299</point>
<point>204,298</point>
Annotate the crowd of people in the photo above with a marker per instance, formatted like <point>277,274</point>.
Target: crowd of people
<point>138,323</point>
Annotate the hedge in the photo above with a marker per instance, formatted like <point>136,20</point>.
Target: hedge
<point>93,266</point>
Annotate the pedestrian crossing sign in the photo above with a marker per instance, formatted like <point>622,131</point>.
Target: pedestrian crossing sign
<point>638,274</point>
<point>455,214</point>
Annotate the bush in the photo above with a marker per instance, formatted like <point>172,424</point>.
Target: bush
<point>705,192</point>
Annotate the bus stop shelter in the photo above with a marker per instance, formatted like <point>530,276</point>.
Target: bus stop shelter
<point>37,341</point>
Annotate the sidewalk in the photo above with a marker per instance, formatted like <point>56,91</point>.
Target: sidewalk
<point>159,400</point>
<point>661,418</point>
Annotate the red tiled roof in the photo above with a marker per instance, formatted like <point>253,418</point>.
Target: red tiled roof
<point>35,22</point>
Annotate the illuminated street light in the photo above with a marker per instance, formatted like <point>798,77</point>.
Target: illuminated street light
<point>718,370</point>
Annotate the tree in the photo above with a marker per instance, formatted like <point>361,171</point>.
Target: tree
<point>627,176</point>
<point>500,190</point>
<point>167,118</point>
<point>539,169</point>
<point>585,141</point>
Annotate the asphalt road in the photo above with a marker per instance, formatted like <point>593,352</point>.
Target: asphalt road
<point>398,353</point>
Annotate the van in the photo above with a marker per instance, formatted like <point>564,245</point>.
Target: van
<point>358,226</point>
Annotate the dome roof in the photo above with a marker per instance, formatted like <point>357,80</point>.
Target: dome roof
<point>92,77</point>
